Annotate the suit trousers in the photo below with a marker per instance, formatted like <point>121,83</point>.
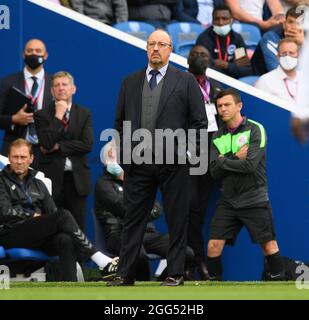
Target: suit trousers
<point>200,190</point>
<point>140,189</point>
<point>69,199</point>
<point>56,234</point>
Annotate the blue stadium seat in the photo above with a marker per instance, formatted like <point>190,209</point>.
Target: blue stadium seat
<point>27,254</point>
<point>183,34</point>
<point>184,48</point>
<point>2,252</point>
<point>250,33</point>
<point>136,28</point>
<point>251,80</point>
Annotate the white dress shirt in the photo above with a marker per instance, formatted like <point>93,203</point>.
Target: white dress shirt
<point>40,94</point>
<point>277,83</point>
<point>159,75</point>
<point>41,82</point>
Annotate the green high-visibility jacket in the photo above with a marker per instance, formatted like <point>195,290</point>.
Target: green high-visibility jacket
<point>244,182</point>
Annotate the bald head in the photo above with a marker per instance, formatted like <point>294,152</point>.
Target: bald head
<point>34,55</point>
<point>35,46</point>
<point>159,48</point>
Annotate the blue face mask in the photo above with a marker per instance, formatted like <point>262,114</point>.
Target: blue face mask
<point>114,169</point>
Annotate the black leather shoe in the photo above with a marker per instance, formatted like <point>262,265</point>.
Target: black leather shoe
<point>120,282</point>
<point>173,281</point>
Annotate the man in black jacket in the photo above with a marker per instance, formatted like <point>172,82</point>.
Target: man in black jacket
<point>29,217</point>
<point>201,185</point>
<point>226,47</point>
<point>17,121</point>
<point>237,157</point>
<point>159,98</point>
<point>109,208</point>
<point>66,137</point>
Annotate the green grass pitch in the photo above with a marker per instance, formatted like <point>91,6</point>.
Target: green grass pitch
<point>153,291</point>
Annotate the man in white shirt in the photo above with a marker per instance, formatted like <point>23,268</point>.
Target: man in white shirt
<point>282,82</point>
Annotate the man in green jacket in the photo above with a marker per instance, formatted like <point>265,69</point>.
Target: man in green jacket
<point>238,153</point>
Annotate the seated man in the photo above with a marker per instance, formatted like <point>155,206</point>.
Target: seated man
<point>30,219</point>
<point>285,76</point>
<point>226,47</point>
<point>251,11</point>
<point>156,12</point>
<point>109,208</point>
<point>264,58</point>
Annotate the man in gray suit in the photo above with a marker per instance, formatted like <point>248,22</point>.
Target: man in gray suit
<point>158,97</point>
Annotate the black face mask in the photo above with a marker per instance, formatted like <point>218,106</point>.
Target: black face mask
<point>198,65</point>
<point>33,61</point>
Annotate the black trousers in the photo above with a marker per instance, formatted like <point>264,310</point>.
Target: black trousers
<point>69,199</point>
<point>140,188</point>
<point>56,234</point>
<point>153,242</point>
<point>200,190</point>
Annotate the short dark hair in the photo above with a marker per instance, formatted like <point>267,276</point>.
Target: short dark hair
<point>228,92</point>
<point>19,143</point>
<point>221,7</point>
<point>294,12</point>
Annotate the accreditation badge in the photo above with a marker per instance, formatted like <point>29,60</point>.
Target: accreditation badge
<point>211,112</point>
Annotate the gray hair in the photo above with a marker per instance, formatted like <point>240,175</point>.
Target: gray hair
<point>62,74</point>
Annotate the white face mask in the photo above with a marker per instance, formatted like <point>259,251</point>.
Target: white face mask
<point>288,63</point>
<point>222,31</point>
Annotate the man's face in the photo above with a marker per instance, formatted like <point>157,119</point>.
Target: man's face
<point>36,47</point>
<point>228,109</point>
<point>290,25</point>
<point>63,89</point>
<point>20,160</point>
<point>199,51</point>
<point>288,49</point>
<point>159,49</point>
<point>222,18</point>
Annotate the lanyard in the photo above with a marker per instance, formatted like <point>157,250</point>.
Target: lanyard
<point>293,96</point>
<point>206,91</point>
<point>36,97</point>
<point>228,40</point>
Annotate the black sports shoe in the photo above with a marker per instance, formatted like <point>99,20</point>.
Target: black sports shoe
<point>109,271</point>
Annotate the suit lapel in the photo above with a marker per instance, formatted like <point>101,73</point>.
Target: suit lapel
<point>47,94</point>
<point>73,118</point>
<point>138,86</point>
<point>20,82</point>
<point>170,81</point>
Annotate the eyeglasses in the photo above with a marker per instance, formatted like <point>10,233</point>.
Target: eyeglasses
<point>161,45</point>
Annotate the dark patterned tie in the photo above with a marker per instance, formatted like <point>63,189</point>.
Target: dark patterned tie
<point>31,126</point>
<point>153,79</point>
<point>34,86</point>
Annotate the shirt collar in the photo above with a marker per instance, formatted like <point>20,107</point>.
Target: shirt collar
<point>283,75</point>
<point>28,75</point>
<point>162,70</point>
